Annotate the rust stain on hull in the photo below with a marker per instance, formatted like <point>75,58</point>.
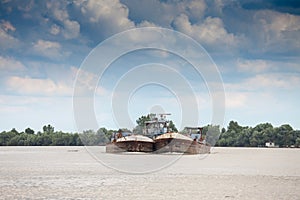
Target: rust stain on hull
<point>168,145</point>
<point>129,146</point>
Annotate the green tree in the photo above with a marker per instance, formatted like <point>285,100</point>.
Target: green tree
<point>235,135</point>
<point>141,121</point>
<point>223,130</point>
<point>253,142</point>
<point>268,134</point>
<point>58,139</point>
<point>88,138</point>
<point>172,126</point>
<point>77,140</point>
<point>101,136</point>
<point>48,129</point>
<point>14,131</point>
<point>282,135</point>
<point>262,127</point>
<point>46,140</point>
<point>295,136</point>
<point>29,131</point>
<point>234,126</point>
<point>257,139</point>
<point>31,140</point>
<point>13,141</point>
<point>297,144</point>
<point>5,137</point>
<point>243,138</point>
<point>221,142</point>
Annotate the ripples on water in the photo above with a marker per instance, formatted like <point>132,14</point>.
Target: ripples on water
<point>72,173</point>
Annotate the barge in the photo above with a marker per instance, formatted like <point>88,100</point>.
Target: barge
<point>130,143</point>
<point>158,137</point>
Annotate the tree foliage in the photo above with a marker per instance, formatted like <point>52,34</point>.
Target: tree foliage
<point>235,136</point>
<point>141,121</point>
<point>172,126</point>
<point>239,136</point>
<point>50,137</point>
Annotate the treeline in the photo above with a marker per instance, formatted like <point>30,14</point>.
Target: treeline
<point>245,136</point>
<point>50,137</point>
<point>234,136</point>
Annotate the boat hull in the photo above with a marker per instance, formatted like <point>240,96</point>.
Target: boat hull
<point>170,145</point>
<point>198,148</point>
<point>129,146</point>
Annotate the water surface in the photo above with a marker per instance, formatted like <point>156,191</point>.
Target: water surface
<point>73,173</point>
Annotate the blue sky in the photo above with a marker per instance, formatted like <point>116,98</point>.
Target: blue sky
<point>255,45</point>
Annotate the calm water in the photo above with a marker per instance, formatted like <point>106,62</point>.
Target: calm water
<point>80,173</point>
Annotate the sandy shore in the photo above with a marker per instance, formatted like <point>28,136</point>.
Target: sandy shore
<point>72,173</point>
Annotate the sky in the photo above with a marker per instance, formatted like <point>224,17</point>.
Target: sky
<point>45,47</point>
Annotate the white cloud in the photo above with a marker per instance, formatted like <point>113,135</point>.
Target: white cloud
<point>282,82</point>
<point>40,87</point>
<point>48,49</point>
<point>7,26</point>
<point>59,82</point>
<point>86,81</point>
<point>211,31</point>
<point>261,94</point>
<point>70,28</point>
<point>253,66</point>
<point>274,81</point>
<point>54,29</point>
<point>195,9</point>
<point>146,24</point>
<point>42,45</point>
<point>7,41</point>
<point>162,13</point>
<point>10,64</point>
<point>281,30</point>
<point>278,22</point>
<point>108,15</point>
<point>261,66</point>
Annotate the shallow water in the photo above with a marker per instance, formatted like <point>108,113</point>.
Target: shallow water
<point>76,173</point>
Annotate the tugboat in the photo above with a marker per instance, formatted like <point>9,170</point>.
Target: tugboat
<point>127,142</point>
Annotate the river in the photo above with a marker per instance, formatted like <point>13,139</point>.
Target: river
<point>90,173</point>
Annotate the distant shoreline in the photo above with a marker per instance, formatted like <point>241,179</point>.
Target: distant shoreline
<point>235,135</point>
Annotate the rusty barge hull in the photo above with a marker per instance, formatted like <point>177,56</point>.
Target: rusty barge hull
<point>198,148</point>
<point>159,146</point>
<point>129,146</point>
<point>171,145</point>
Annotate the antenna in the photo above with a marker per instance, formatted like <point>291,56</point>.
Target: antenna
<point>164,114</point>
